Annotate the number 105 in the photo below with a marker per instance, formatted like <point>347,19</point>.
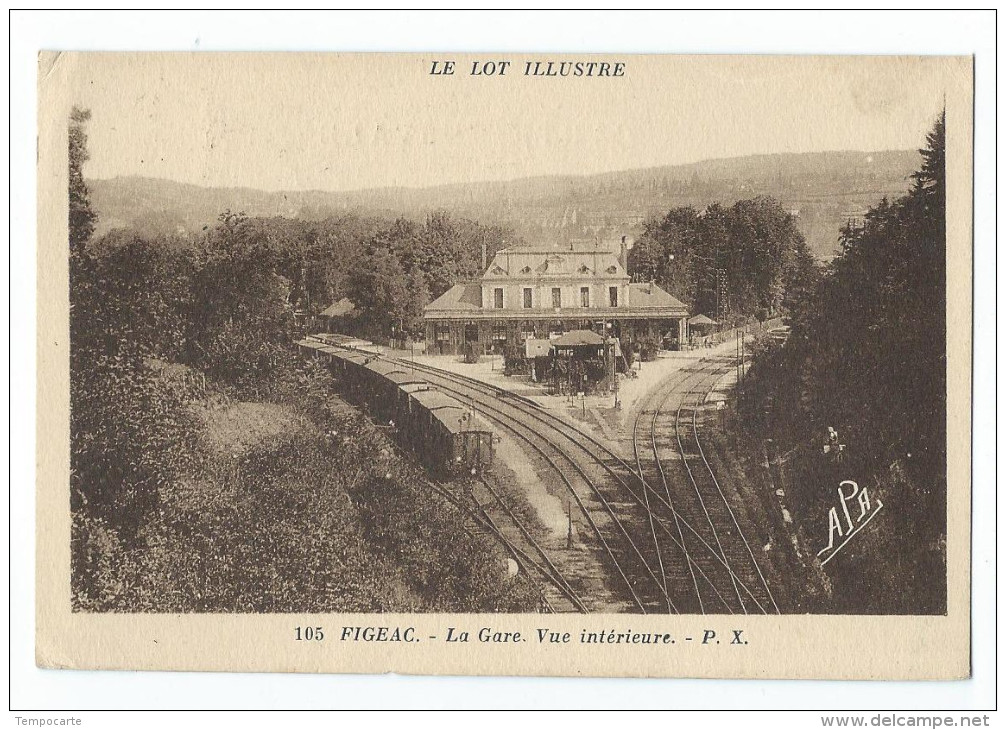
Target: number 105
<point>309,633</point>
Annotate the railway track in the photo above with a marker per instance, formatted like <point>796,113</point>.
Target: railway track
<point>547,568</point>
<point>711,533</point>
<point>671,553</point>
<point>552,588</point>
<point>601,505</point>
<point>478,513</point>
<point>643,508</point>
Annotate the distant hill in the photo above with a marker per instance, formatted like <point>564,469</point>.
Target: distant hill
<point>823,189</point>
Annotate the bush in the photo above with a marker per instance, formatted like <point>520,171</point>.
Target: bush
<point>323,519</point>
<point>514,360</point>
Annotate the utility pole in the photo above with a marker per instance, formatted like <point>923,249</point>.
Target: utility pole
<point>614,372</point>
<point>743,367</point>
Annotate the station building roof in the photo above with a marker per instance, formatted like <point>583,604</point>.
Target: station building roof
<point>459,298</point>
<point>651,296</point>
<point>575,263</point>
<point>642,300</point>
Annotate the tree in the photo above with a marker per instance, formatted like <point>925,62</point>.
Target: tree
<point>81,217</point>
<point>129,431</point>
<point>866,355</point>
<point>929,189</point>
<point>241,317</point>
<point>728,262</point>
<point>378,288</point>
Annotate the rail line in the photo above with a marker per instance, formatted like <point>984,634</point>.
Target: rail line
<point>681,542</point>
<point>723,498</point>
<point>553,573</point>
<point>705,508</point>
<point>496,411</point>
<point>525,561</point>
<point>517,427</point>
<point>563,429</point>
<point>482,518</point>
<point>676,527</point>
<point>690,526</point>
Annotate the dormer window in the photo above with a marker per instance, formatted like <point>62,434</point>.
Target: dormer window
<point>612,269</point>
<point>583,269</point>
<point>526,270</point>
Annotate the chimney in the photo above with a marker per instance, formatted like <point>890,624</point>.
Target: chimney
<point>649,287</point>
<point>485,253</point>
<point>627,243</point>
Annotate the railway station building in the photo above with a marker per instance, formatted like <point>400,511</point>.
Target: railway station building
<point>543,292</point>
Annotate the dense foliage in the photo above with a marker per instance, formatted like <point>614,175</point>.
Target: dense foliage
<point>81,217</point>
<point>866,356</point>
<point>212,469</point>
<point>404,267</point>
<point>730,263</point>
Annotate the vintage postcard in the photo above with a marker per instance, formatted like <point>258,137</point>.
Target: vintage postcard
<point>505,364</point>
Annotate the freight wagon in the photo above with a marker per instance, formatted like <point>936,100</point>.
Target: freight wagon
<point>445,434</point>
<point>458,437</point>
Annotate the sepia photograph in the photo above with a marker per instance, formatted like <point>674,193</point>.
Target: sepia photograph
<point>585,338</point>
<point>716,386</point>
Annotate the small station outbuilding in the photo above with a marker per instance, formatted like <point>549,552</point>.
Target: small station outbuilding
<point>700,325</point>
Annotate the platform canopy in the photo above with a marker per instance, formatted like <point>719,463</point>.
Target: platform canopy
<point>577,338</point>
<point>701,319</point>
<point>339,309</point>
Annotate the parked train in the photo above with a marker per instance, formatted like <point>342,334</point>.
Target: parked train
<point>447,436</point>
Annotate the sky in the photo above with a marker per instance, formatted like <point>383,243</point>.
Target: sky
<point>343,122</point>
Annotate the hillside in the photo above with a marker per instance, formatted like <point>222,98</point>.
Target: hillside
<point>822,189</point>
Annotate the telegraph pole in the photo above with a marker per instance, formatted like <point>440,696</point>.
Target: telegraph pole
<point>737,356</point>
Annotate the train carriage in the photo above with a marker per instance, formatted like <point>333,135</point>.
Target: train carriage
<point>459,438</point>
<point>402,383</point>
<point>444,433</point>
<point>383,379</point>
<point>470,441</point>
<point>342,340</point>
<point>312,347</point>
<point>351,365</point>
<point>381,391</point>
<point>422,403</point>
